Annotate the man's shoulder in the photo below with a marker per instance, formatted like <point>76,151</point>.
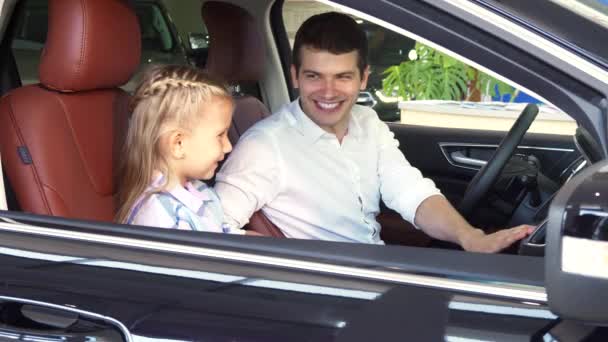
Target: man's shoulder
<point>364,114</point>
<point>367,119</point>
<point>273,125</point>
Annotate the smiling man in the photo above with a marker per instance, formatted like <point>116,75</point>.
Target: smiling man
<point>319,167</point>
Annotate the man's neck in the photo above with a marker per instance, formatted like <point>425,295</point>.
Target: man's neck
<point>340,129</point>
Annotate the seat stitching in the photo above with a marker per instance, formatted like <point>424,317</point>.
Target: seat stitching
<point>33,165</point>
<point>83,40</point>
<point>80,153</point>
<point>46,186</point>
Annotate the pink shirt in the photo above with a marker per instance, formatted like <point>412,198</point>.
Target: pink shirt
<point>193,207</point>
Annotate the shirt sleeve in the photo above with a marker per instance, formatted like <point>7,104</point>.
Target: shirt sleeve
<point>249,179</point>
<point>402,186</point>
<point>153,214</point>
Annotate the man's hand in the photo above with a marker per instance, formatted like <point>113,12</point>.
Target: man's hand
<point>437,218</point>
<point>478,241</point>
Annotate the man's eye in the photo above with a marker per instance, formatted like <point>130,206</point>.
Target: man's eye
<point>311,76</point>
<point>346,77</point>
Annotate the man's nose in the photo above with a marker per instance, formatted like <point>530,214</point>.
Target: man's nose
<point>329,88</point>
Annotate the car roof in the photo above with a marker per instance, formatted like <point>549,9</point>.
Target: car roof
<point>576,24</point>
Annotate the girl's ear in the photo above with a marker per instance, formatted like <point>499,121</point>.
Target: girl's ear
<point>176,145</point>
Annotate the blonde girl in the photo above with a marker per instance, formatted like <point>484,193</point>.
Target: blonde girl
<point>178,133</point>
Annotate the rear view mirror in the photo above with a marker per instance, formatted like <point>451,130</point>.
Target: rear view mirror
<point>576,255</point>
<point>199,48</point>
<point>198,41</point>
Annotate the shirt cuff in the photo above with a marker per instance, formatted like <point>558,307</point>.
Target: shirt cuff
<point>414,203</point>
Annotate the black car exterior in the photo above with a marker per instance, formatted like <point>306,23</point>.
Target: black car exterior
<point>76,280</point>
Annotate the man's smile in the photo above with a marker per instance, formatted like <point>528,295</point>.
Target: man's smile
<point>328,106</point>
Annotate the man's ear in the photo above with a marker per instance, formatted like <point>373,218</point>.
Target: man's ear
<point>294,76</point>
<point>364,78</point>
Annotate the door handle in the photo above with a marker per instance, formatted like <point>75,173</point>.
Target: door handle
<point>459,157</point>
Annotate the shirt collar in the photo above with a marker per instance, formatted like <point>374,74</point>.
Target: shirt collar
<point>194,195</point>
<point>354,128</point>
<point>304,124</point>
<point>312,131</point>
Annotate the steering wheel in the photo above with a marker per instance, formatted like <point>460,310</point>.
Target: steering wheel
<point>487,175</point>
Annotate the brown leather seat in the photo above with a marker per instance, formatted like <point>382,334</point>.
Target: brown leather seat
<point>59,139</point>
<point>236,55</point>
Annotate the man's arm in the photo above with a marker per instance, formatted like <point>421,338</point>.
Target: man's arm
<point>249,178</point>
<point>438,218</point>
<point>416,198</point>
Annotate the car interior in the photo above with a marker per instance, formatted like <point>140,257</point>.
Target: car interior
<point>60,138</point>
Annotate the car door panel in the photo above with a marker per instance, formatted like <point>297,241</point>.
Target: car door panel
<point>432,150</point>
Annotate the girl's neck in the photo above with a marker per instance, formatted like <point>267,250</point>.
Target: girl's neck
<point>177,181</point>
<point>174,181</point>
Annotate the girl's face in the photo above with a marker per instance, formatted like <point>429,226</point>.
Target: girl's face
<point>207,142</point>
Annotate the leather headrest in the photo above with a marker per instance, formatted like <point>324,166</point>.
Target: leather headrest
<point>90,44</point>
<point>236,46</point>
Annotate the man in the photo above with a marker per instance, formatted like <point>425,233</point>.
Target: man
<point>319,167</point>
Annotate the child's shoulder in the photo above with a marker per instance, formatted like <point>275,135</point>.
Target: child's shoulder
<point>151,211</point>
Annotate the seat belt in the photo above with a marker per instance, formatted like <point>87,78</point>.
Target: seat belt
<point>3,205</point>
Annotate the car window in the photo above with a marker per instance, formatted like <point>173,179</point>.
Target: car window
<point>32,25</point>
<point>413,83</point>
<point>155,33</point>
<point>160,41</point>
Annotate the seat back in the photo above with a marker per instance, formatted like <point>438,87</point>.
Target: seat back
<point>60,139</point>
<point>236,55</point>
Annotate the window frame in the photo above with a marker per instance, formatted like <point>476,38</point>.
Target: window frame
<point>447,27</point>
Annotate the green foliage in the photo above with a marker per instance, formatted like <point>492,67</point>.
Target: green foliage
<point>488,85</point>
<point>436,76</point>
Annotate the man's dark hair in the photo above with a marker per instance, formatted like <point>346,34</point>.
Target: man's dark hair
<point>334,32</point>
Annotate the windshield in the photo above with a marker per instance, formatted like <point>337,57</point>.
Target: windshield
<point>579,25</point>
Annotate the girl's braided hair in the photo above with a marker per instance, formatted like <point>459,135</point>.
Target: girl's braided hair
<point>168,97</point>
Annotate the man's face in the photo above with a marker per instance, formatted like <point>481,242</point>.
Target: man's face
<point>329,85</point>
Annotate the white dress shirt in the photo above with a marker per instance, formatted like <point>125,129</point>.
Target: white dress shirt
<point>313,187</point>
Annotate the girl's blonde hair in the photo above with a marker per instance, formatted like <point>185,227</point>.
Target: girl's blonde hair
<point>168,97</point>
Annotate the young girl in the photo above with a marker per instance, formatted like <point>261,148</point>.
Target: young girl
<point>178,133</point>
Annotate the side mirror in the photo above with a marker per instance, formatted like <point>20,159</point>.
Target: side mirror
<point>576,254</point>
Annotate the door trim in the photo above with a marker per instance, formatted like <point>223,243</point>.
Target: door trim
<point>513,291</point>
<point>443,145</point>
